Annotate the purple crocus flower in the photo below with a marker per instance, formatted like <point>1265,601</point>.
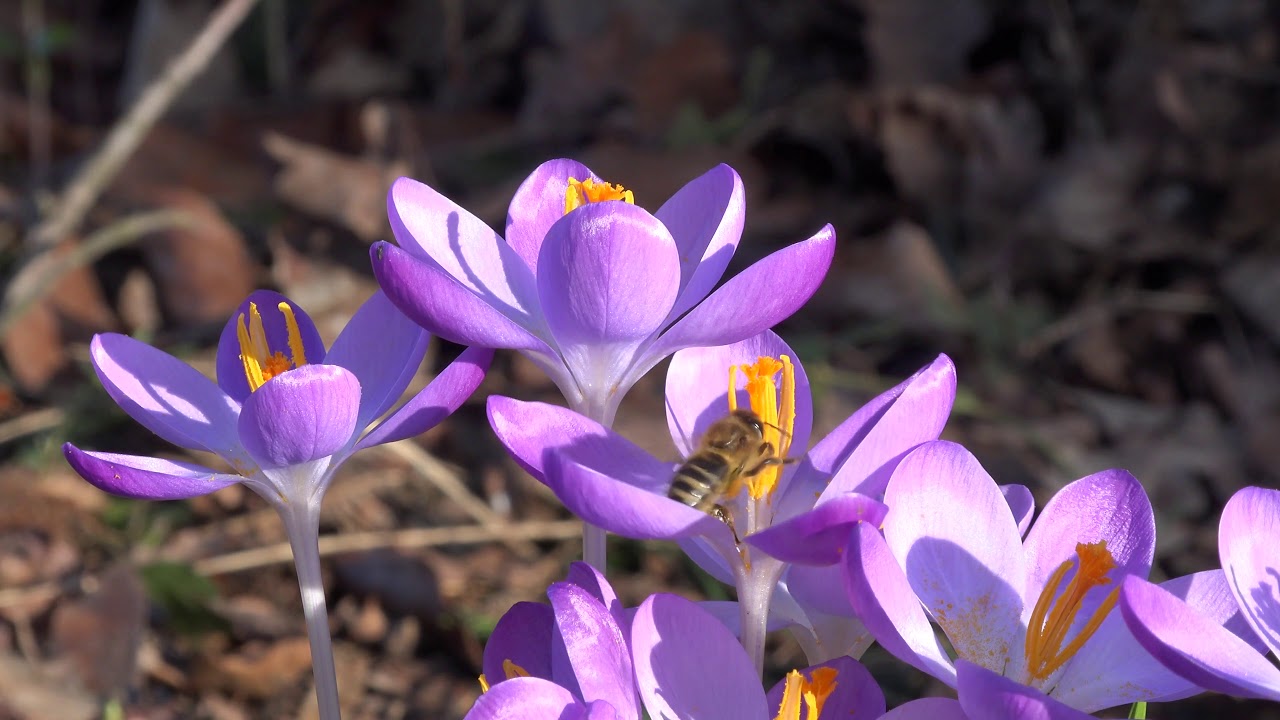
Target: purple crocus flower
<point>608,481</point>
<point>1030,621</point>
<point>283,415</point>
<point>585,657</point>
<point>1192,643</point>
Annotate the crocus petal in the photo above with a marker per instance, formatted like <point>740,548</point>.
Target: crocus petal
<point>383,348</point>
<point>697,389</point>
<point>1111,506</point>
<point>230,367</point>
<point>444,394</point>
<point>166,396</point>
<point>626,506</point>
<point>145,478</point>
<point>933,708</point>
<point>597,650</point>
<point>755,299</point>
<point>1021,503</point>
<point>730,615</point>
<point>689,666</point>
<point>1194,646</point>
<point>881,596</point>
<point>530,698</point>
<point>1247,547</point>
<point>445,306</point>
<point>523,636</point>
<point>819,536</point>
<point>434,228</point>
<point>1114,669</point>
<point>916,415</point>
<point>538,204</point>
<point>951,529</point>
<point>301,415</point>
<point>705,217</point>
<point>607,276</point>
<point>594,582</point>
<point>986,695</point>
<point>856,695</point>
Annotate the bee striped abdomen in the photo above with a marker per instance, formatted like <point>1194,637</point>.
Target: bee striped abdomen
<point>700,481</point>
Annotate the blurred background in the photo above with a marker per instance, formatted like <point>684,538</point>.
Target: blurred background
<point>1079,202</point>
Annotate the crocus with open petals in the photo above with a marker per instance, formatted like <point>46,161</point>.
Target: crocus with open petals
<point>284,414</point>
<point>607,480</point>
<point>1190,642</point>
<point>1031,622</point>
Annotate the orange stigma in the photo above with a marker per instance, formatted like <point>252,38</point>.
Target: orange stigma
<point>811,693</point>
<point>776,406</point>
<point>590,191</point>
<point>1047,629</point>
<point>260,363</point>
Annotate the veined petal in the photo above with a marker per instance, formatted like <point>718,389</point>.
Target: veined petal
<point>594,582</point>
<point>856,694</point>
<point>820,588</point>
<point>750,302</point>
<point>538,204</point>
<point>689,666</point>
<point>933,708</point>
<point>145,478</point>
<point>881,596</point>
<point>530,430</point>
<point>447,307</point>
<point>231,373</point>
<point>1194,646</point>
<point>820,536</point>
<point>630,506</point>
<point>1247,548</point>
<point>1021,503</point>
<point>596,648</point>
<point>530,698</point>
<point>951,530</point>
<point>435,402</point>
<point>522,636</point>
<point>608,274</point>
<point>1111,506</point>
<point>167,396</point>
<point>383,348</point>
<point>705,217</point>
<point>434,228</point>
<point>301,415</point>
<point>986,695</point>
<point>698,389</point>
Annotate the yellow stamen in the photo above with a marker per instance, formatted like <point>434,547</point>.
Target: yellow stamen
<point>1047,629</point>
<point>260,364</point>
<point>811,693</point>
<point>776,408</point>
<point>589,191</point>
<point>510,669</point>
<point>484,684</point>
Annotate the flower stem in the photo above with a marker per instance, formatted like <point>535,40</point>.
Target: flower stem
<point>303,526</point>
<point>602,410</point>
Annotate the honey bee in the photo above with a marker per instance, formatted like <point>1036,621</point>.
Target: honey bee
<point>730,451</point>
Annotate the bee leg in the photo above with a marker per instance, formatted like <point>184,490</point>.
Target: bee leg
<point>760,466</point>
<point>723,514</point>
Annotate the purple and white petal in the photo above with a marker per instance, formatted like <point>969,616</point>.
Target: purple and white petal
<point>530,698</point>
<point>608,274</point>
<point>597,650</point>
<point>933,708</point>
<point>167,396</point>
<point>443,395</point>
<point>145,478</point>
<point>594,582</point>
<point>523,637</point>
<point>698,389</point>
<point>1022,504</point>
<point>951,530</point>
<point>985,695</point>
<point>538,204</point>
<point>688,665</point>
<point>230,367</point>
<point>383,348</point>
<point>446,307</point>
<point>705,217</point>
<point>820,536</point>
<point>752,301</point>
<point>1194,646</point>
<point>856,694</point>
<point>302,415</point>
<point>1247,537</point>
